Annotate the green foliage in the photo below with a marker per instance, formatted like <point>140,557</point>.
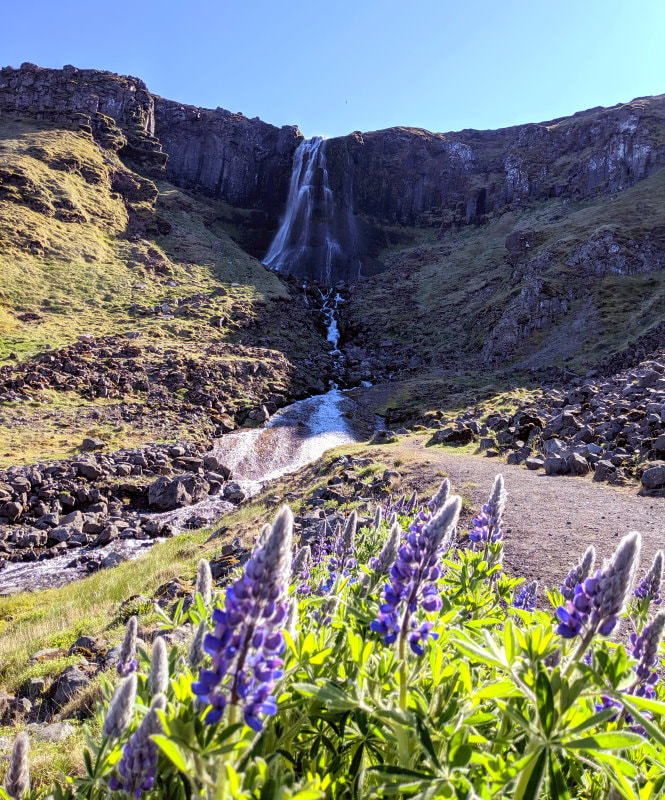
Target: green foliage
<point>499,705</point>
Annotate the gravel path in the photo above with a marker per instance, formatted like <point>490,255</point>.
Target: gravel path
<point>551,520</point>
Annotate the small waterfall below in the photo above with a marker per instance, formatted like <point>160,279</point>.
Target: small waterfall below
<point>294,436</point>
<point>317,238</point>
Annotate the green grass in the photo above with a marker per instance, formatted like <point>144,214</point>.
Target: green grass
<point>81,276</point>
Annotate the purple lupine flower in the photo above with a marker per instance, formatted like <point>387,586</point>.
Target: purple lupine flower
<point>578,573</point>
<point>137,768</point>
<point>526,598</point>
<point>649,587</point>
<point>127,661</point>
<point>486,527</point>
<point>413,578</point>
<point>645,650</point>
<point>247,641</point>
<point>599,600</point>
<point>323,543</point>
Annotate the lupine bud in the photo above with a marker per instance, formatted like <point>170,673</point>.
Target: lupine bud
<point>127,662</point>
<point>137,768</point>
<point>196,651</point>
<point>378,518</point>
<point>617,579</point>
<point>204,581</point>
<point>439,499</point>
<point>649,587</point>
<point>412,502</point>
<point>263,536</point>
<point>17,778</point>
<point>121,710</point>
<point>301,560</point>
<point>578,573</point>
<point>158,680</point>
<point>384,560</point>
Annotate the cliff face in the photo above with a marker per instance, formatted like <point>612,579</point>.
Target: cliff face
<point>412,177</point>
<point>380,181</point>
<point>245,162</point>
<point>118,109</point>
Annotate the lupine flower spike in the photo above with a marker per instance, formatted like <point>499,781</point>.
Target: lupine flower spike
<point>127,662</point>
<point>158,680</point>
<point>487,525</point>
<point>526,596</point>
<point>439,499</point>
<point>413,579</point>
<point>381,563</point>
<point>138,766</point>
<point>301,569</point>
<point>204,581</point>
<point>599,600</point>
<point>649,587</point>
<point>247,640</point>
<point>17,778</point>
<point>578,573</point>
<point>121,710</point>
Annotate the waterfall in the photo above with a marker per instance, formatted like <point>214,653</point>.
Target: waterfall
<point>317,236</point>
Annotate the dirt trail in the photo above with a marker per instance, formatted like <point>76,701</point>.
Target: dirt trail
<point>551,520</point>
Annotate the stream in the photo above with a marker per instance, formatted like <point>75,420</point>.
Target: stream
<point>293,437</point>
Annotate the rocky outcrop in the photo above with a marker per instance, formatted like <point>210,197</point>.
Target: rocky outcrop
<point>118,109</point>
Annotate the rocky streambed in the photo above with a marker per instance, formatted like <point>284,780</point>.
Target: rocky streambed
<point>61,520</point>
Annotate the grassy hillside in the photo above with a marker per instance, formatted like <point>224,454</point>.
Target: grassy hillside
<point>90,248</point>
<point>558,282</point>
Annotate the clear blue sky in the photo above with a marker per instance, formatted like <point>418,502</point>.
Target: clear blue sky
<point>346,65</point>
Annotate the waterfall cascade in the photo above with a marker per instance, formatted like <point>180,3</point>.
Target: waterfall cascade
<point>317,238</point>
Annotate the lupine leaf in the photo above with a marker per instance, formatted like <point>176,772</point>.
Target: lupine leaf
<point>531,777</point>
<point>171,751</point>
<point>606,740</point>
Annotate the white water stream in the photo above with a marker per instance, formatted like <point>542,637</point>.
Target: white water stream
<point>295,436</point>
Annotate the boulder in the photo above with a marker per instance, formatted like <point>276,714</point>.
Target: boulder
<point>165,494</point>
<point>577,464</point>
<point>653,476</point>
<point>556,465</point>
<point>55,732</point>
<point>234,492</point>
<point>535,462</point>
<point>604,470</point>
<point>453,436</point>
<point>90,445</point>
<point>69,683</point>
